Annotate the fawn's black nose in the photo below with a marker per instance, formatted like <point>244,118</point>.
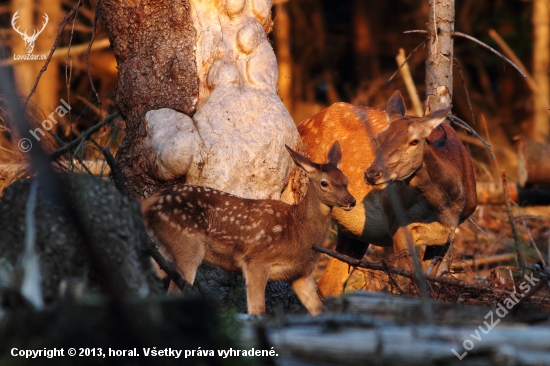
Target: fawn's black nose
<point>372,174</point>
<point>351,202</point>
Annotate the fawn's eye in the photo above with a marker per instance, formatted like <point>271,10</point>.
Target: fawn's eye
<point>414,142</point>
<point>324,184</point>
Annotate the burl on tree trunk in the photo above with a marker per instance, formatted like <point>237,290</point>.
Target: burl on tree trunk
<point>197,87</point>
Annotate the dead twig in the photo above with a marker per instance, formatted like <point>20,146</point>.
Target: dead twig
<point>517,245</point>
<point>510,53</point>
<point>67,17</point>
<point>486,46</point>
<point>85,135</point>
<point>467,127</point>
<point>465,89</point>
<point>87,53</point>
<point>166,266</point>
<point>405,62</point>
<point>405,272</point>
<point>475,40</point>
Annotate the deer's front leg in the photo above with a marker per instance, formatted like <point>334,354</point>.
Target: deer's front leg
<point>432,234</point>
<point>337,272</point>
<point>306,290</point>
<point>256,277</point>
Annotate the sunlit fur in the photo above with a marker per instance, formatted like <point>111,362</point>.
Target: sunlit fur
<point>265,239</point>
<point>434,180</point>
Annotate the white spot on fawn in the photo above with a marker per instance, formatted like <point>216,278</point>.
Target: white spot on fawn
<point>198,189</point>
<point>190,204</point>
<point>269,211</point>
<point>163,216</point>
<point>178,198</point>
<point>168,198</point>
<point>227,203</point>
<point>277,229</point>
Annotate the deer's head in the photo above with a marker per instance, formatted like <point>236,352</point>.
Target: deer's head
<point>400,146</point>
<point>29,40</point>
<point>328,182</point>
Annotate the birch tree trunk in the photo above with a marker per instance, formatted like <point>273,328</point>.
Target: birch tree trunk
<point>541,61</point>
<point>439,65</point>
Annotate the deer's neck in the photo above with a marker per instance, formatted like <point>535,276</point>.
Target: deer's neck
<point>436,181</point>
<point>314,216</point>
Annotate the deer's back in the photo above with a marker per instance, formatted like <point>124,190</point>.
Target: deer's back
<point>354,127</point>
<point>234,231</point>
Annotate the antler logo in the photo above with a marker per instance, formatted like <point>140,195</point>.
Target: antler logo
<point>29,40</point>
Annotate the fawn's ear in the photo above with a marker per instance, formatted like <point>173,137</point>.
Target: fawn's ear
<point>427,124</point>
<point>302,162</point>
<point>395,108</point>
<point>335,154</point>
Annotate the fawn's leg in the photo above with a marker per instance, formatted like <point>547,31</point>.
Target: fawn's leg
<point>337,272</point>
<point>256,279</point>
<point>306,290</point>
<point>188,254</point>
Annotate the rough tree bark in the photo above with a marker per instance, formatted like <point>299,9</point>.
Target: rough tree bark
<point>213,58</point>
<point>439,65</point>
<point>198,89</point>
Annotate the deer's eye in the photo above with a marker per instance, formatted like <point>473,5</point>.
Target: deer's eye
<point>324,184</point>
<point>414,142</point>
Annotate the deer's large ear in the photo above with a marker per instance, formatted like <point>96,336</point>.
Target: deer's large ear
<point>431,121</point>
<point>335,154</point>
<point>301,161</point>
<point>395,109</point>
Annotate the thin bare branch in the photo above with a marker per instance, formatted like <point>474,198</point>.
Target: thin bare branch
<point>85,135</point>
<point>465,90</point>
<point>67,17</point>
<point>87,53</point>
<point>166,266</point>
<point>459,34</point>
<point>403,272</point>
<point>467,127</point>
<point>422,31</point>
<point>405,62</point>
<point>477,226</point>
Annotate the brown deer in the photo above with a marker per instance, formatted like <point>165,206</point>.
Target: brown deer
<point>265,239</point>
<point>417,159</point>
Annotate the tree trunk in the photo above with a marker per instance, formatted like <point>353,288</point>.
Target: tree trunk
<point>198,89</point>
<point>439,65</point>
<point>541,61</point>
<point>153,44</point>
<point>214,58</point>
